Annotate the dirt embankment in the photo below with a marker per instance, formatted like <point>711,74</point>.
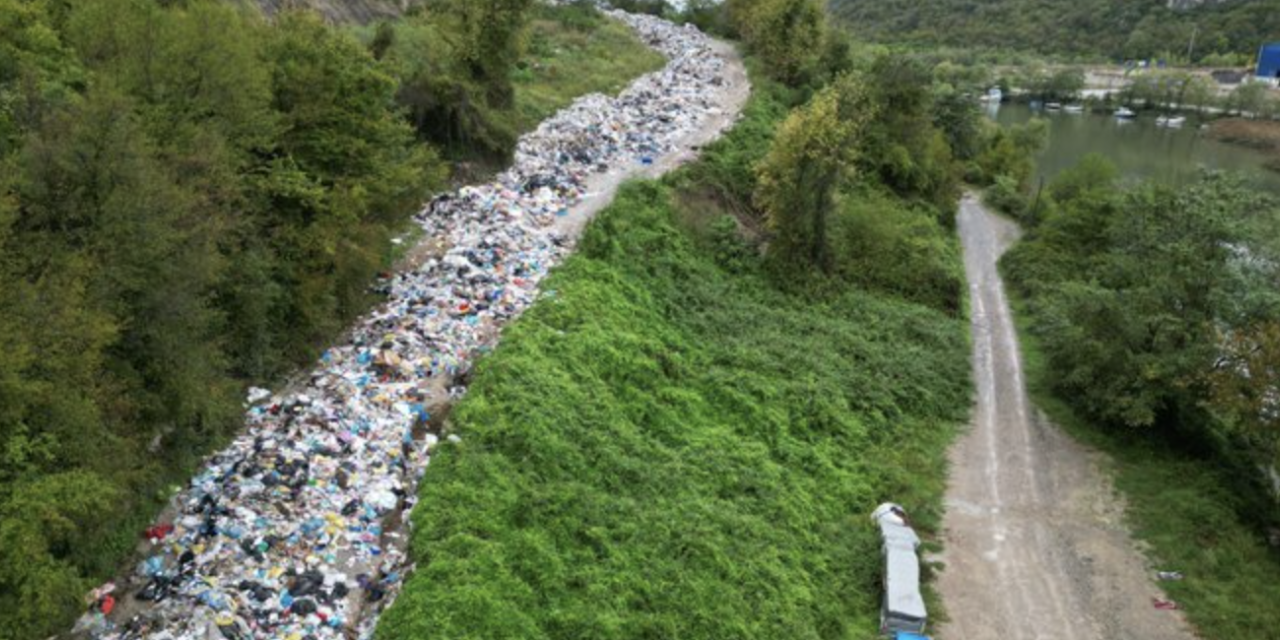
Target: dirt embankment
<point>1263,135</point>
<point>348,11</point>
<point>1256,134</point>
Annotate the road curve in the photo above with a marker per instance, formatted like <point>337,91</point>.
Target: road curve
<point>1035,546</point>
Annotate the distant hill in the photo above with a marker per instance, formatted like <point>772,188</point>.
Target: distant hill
<point>1092,28</point>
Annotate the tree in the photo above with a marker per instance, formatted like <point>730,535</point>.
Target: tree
<point>1131,338</point>
<point>37,71</point>
<point>1243,385</point>
<point>347,165</point>
<point>488,38</point>
<point>811,154</point>
<point>902,146</point>
<point>788,35</point>
<point>1250,98</point>
<point>94,191</point>
<point>1011,152</point>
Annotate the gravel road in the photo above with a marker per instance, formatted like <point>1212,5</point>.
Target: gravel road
<point>1035,546</point>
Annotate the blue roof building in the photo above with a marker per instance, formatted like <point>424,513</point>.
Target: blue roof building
<point>1269,61</point>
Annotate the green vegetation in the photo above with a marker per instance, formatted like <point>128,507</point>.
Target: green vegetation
<point>192,199</point>
<point>1224,32</point>
<point>632,467</point>
<point>1150,310</point>
<point>684,436</point>
<point>1005,165</point>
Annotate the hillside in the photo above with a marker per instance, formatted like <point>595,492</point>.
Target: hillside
<point>1086,28</point>
<point>357,11</point>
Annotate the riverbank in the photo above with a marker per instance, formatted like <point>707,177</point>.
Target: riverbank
<point>1262,135</point>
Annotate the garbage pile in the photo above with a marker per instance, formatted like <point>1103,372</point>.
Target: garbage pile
<point>294,531</point>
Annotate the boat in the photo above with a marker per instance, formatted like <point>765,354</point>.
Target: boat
<point>993,95</point>
<point>1125,113</point>
<point>1053,106</point>
<point>1074,108</point>
<point>1171,121</point>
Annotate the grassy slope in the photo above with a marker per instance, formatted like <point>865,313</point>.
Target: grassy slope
<point>564,63</point>
<point>1183,510</point>
<point>661,448</point>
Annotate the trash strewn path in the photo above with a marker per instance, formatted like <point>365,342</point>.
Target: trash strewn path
<point>295,530</point>
<point>1035,546</point>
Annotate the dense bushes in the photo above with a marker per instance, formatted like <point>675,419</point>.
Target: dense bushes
<point>1130,288</point>
<point>860,184</point>
<point>201,204</point>
<point>1152,304</point>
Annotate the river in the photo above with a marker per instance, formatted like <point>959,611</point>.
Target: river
<point>1139,147</point>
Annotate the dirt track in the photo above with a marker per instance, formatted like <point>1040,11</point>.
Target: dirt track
<point>1035,545</point>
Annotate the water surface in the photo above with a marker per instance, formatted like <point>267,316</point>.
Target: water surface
<point>1139,147</point>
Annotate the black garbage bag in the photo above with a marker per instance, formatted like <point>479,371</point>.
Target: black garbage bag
<point>303,607</point>
<point>307,584</point>
<point>186,562</point>
<point>156,590</point>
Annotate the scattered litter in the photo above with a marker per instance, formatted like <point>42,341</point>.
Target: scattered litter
<point>1168,575</point>
<point>1164,605</point>
<point>281,534</point>
<point>257,394</point>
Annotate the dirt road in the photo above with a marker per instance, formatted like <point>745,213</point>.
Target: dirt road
<point>1034,544</point>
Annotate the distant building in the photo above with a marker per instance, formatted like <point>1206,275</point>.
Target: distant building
<point>1268,62</point>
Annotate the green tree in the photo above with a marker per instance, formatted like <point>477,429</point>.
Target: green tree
<point>488,37</point>
<point>37,72</point>
<point>787,34</point>
<point>1130,339</point>
<point>811,155</point>
<point>1242,385</point>
<point>902,145</point>
<point>347,166</point>
<point>93,189</point>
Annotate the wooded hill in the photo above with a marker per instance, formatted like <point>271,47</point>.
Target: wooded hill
<point>1111,29</point>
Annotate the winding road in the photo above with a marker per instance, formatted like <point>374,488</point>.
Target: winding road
<point>1035,545</point>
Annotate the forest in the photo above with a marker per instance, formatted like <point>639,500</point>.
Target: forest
<point>194,199</point>
<point>1087,30</point>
